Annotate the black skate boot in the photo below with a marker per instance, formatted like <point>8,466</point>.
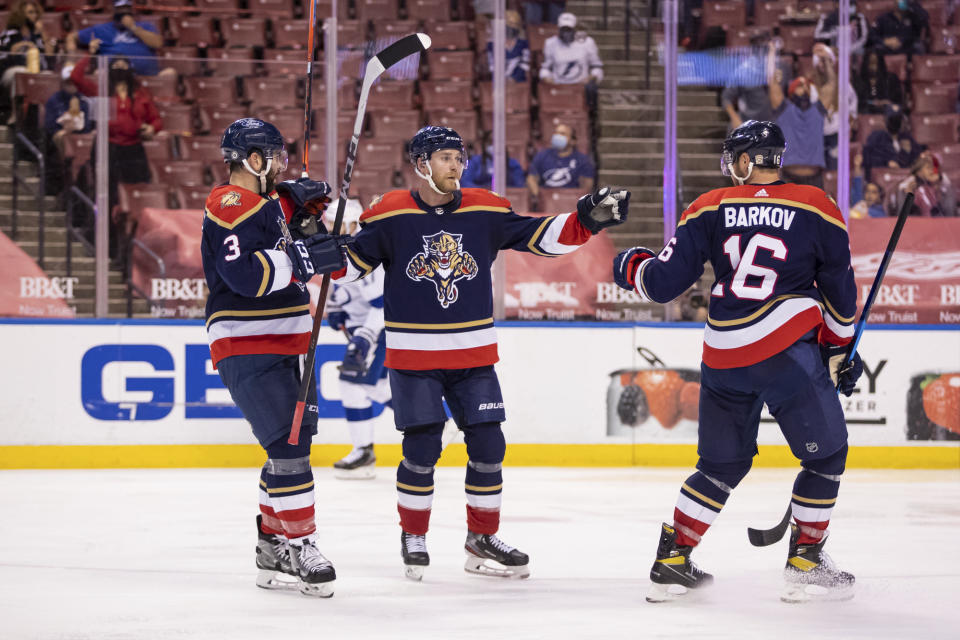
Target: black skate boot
<point>488,555</point>
<point>673,572</point>
<point>273,561</point>
<point>359,464</point>
<point>315,572</point>
<point>413,548</point>
<point>811,575</point>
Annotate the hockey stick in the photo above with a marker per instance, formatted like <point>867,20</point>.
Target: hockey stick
<point>766,537</point>
<point>403,48</point>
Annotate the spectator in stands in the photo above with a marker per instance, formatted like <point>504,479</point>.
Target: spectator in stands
<point>751,103</point>
<point>876,87</point>
<point>571,56</point>
<point>23,45</point>
<point>479,171</point>
<point>541,11</point>
<point>801,115</point>
<point>933,193</point>
<point>124,36</point>
<point>891,147</point>
<point>827,30</point>
<point>561,166</point>
<point>518,49</point>
<point>66,112</point>
<point>905,29</point>
<point>824,73</point>
<point>866,199</point>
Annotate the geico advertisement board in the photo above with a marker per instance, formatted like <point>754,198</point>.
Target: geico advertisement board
<point>134,383</point>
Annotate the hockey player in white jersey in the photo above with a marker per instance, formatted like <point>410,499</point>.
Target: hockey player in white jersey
<point>356,308</point>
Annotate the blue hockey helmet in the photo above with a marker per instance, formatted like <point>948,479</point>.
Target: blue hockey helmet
<point>762,140</point>
<point>247,135</point>
<point>430,139</point>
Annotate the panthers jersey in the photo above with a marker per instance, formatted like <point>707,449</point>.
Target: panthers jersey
<point>361,300</point>
<point>781,258</point>
<point>438,288</point>
<point>254,306</point>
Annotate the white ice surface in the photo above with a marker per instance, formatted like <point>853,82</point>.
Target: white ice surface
<point>146,554</point>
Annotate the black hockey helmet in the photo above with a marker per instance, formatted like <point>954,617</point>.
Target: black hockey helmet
<point>430,139</point>
<point>250,134</point>
<point>762,140</point>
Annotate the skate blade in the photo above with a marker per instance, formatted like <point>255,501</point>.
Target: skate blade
<point>276,581</point>
<point>413,572</point>
<point>317,589</point>
<point>492,568</point>
<point>798,593</point>
<point>367,472</point>
<point>666,592</point>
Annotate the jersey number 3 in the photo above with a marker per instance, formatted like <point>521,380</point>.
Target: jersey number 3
<point>233,246</point>
<point>744,267</point>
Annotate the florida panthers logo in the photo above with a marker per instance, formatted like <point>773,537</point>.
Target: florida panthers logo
<point>443,262</point>
<point>230,199</point>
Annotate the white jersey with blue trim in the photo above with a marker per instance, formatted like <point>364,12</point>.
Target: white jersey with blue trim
<point>362,300</point>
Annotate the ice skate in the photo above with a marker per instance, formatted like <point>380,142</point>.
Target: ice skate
<point>316,574</point>
<point>810,574</point>
<point>359,464</point>
<point>415,556</point>
<point>273,562</point>
<point>673,573</point>
<point>488,555</point>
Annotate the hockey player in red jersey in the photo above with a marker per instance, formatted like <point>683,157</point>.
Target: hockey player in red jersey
<point>780,315</point>
<point>437,244</point>
<point>258,326</point>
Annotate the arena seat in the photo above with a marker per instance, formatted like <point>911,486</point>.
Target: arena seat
<point>516,100</point>
<point>36,88</point>
<point>351,34</point>
<point>180,173</point>
<point>192,196</point>
<point>193,31</point>
<point>242,32</point>
<point>222,62</point>
<point>555,98</point>
<point>394,94</point>
<point>728,14</point>
<point>346,94</point>
<point>285,62</point>
<point>178,119</point>
<point>206,149</point>
<point>559,200</point>
<point>579,121</point>
<point>888,179</point>
<point>797,39</point>
<point>897,65</point>
<point>931,99</point>
<point>867,123</point>
<point>272,8</point>
<point>133,198</point>
<point>77,149</point>
<point>217,118</point>
<point>289,34</point>
<point>464,123</point>
<point>163,87</point>
<point>517,124</point>
<point>873,9</point>
<point>936,129</point>
<point>395,125</point>
<point>945,69</point>
<point>367,180</point>
<point>158,148</point>
<point>211,90</point>
<point>289,120</point>
<point>428,10</point>
<point>945,39</point>
<point>452,95</point>
<point>451,65</point>
<point>768,13</point>
<point>519,198</point>
<point>949,157</point>
<point>537,35</point>
<point>385,10</point>
<point>449,35</point>
<point>379,154</point>
<point>275,92</point>
<point>183,60</point>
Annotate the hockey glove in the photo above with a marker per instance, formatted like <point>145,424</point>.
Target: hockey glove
<point>603,208</point>
<point>625,266</point>
<point>337,320</point>
<point>317,254</point>
<point>844,379</point>
<point>310,199</point>
<point>360,353</point>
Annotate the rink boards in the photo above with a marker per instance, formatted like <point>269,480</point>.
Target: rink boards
<point>95,394</point>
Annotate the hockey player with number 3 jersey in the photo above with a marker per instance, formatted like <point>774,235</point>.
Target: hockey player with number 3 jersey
<point>437,244</point>
<point>780,316</point>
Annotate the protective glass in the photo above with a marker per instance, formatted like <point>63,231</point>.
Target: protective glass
<point>279,159</point>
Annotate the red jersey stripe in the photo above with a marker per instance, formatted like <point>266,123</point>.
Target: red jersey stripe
<point>416,360</point>
<point>766,346</point>
<point>281,344</point>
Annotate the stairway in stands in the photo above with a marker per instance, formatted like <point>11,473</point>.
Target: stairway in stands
<point>55,240</point>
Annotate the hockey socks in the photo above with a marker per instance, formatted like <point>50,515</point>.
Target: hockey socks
<point>701,499</point>
<point>361,423</point>
<point>286,497</point>
<point>414,496</point>
<point>814,496</point>
<point>484,488</point>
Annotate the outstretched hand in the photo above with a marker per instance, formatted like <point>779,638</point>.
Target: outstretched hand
<point>625,266</point>
<point>603,208</point>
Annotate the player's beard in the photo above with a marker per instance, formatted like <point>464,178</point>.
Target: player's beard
<point>449,184</point>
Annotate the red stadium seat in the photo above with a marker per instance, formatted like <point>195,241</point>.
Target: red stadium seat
<point>36,88</point>
<point>133,198</point>
<point>288,120</point>
<point>396,29</point>
<point>934,98</point>
<point>949,157</point>
<point>936,129</point>
<point>77,149</point>
<point>183,60</point>
<point>242,32</point>
<point>449,35</point>
<point>178,119</point>
<point>377,154</point>
<point>192,197</point>
<point>451,65</point>
<point>537,35</point>
<point>743,36</point>
<point>559,200</point>
<point>345,122</point>
<point>867,124</point>
<point>267,91</point>
<point>219,7</point>
<point>346,95</point>
<point>398,126</point>
<point>385,10</point>
<point>517,99</point>
<point>285,62</point>
<point>873,9</point>
<point>180,173</point>
<point>454,95</point>
<point>797,39</point>
<point>561,98</point>
<point>391,95</point>
<point>428,10</point>
<point>578,121</point>
<point>206,149</point>
<point>517,124</point>
<point>938,10</point>
<point>945,40</point>
<point>519,198</point>
<point>193,32</point>
<point>158,149</point>
<point>944,69</point>
<point>272,8</point>
<point>888,179</point>
<point>163,87</point>
<point>212,90</point>
<point>290,34</point>
<point>52,25</point>
<point>727,14</point>
<point>464,123</point>
<point>897,65</point>
<point>351,64</point>
<point>371,180</point>
<point>231,62</point>
<point>351,34</point>
<point>768,13</point>
<point>217,118</point>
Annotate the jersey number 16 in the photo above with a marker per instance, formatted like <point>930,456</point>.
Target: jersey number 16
<point>744,267</point>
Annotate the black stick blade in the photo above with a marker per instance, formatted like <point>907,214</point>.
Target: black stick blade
<point>767,537</point>
<point>407,46</point>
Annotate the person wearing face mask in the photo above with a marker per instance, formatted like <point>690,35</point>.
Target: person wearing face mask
<point>801,116</point>
<point>561,166</point>
<point>827,29</point>
<point>518,49</point>
<point>904,29</point>
<point>892,147</point>
<point>933,192</point>
<point>479,171</point>
<point>65,113</point>
<point>262,242</point>
<point>124,36</point>
<point>571,56</point>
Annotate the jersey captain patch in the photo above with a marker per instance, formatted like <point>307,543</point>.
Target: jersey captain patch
<point>443,262</point>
